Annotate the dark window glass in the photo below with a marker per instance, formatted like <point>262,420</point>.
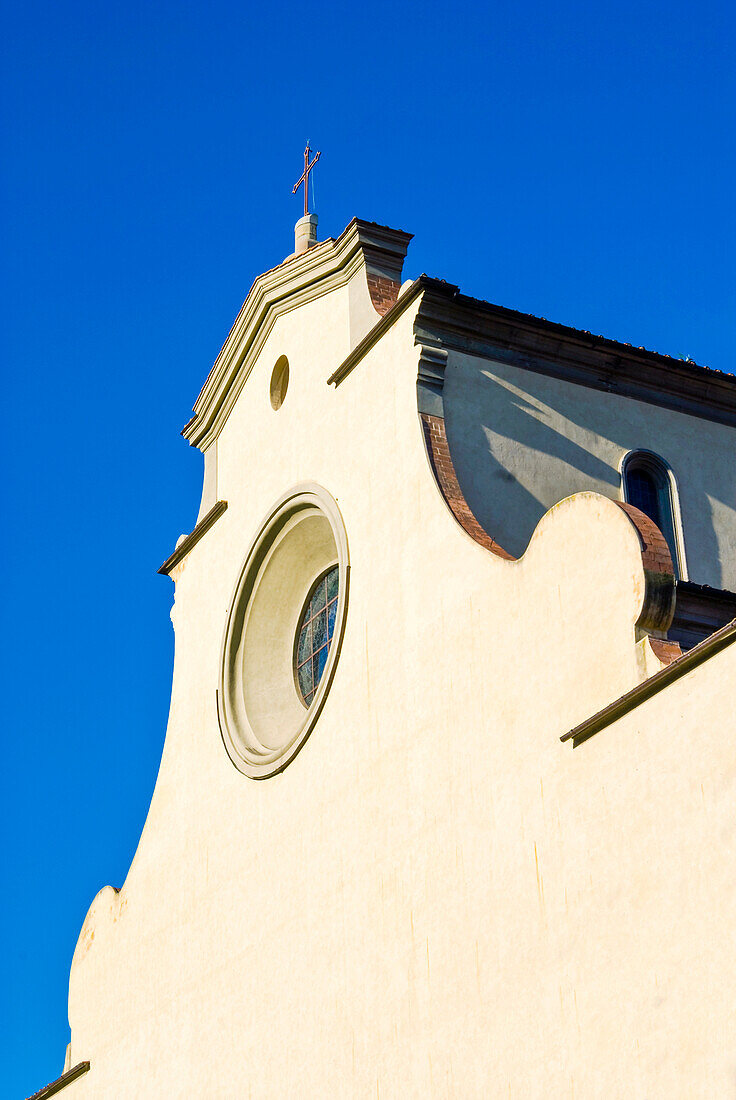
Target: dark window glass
<point>643,493</point>
<point>648,488</point>
<point>315,634</point>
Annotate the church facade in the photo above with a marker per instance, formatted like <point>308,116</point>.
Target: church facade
<point>446,801</point>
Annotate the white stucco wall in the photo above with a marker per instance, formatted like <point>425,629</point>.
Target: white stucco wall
<point>436,898</point>
<point>521,441</point>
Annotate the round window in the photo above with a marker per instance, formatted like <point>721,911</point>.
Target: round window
<point>279,382</point>
<point>316,628</point>
<point>279,654</point>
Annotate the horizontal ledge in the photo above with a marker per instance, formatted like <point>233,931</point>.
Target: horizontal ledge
<point>639,694</point>
<point>193,537</point>
<point>61,1082</point>
<point>373,335</point>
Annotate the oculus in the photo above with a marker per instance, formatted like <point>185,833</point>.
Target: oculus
<point>279,382</point>
<point>279,652</point>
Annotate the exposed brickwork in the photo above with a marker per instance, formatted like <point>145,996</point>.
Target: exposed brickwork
<point>667,652</point>
<point>444,471</point>
<point>655,554</point>
<point>383,291</point>
<point>659,600</point>
<point>656,614</point>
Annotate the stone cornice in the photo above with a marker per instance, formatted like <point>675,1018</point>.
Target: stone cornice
<point>450,320</point>
<point>193,537</point>
<point>300,279</point>
<point>374,335</point>
<point>61,1082</point>
<point>722,638</point>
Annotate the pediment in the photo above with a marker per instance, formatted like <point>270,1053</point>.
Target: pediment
<point>366,250</point>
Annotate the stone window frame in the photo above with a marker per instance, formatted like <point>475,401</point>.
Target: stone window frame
<point>252,753</point>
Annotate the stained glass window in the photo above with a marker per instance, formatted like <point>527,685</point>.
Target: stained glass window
<point>315,634</point>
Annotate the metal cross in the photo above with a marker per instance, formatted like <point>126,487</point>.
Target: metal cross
<point>304,178</point>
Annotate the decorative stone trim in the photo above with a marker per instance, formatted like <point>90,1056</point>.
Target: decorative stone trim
<point>374,335</point>
<point>431,380</point>
<point>193,537</point>
<point>262,719</point>
<point>376,249</point>
<point>480,328</point>
<point>432,364</point>
<point>61,1082</point>
<point>724,637</point>
<point>453,320</point>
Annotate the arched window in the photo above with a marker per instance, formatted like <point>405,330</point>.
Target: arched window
<point>648,484</point>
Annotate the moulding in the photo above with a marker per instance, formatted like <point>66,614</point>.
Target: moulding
<point>374,335</point>
<point>452,320</point>
<point>61,1082</point>
<point>706,591</point>
<point>300,279</point>
<point>431,381</point>
<point>242,742</point>
<point>723,638</point>
<point>193,537</point>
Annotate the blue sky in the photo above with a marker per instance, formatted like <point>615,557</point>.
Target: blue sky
<point>572,160</point>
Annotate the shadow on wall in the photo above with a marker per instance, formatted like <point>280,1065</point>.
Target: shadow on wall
<point>517,454</point>
<point>512,462</point>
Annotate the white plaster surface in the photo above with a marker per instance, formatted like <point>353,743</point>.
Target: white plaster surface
<point>436,898</point>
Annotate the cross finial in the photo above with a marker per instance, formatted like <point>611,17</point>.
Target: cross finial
<point>304,178</point>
